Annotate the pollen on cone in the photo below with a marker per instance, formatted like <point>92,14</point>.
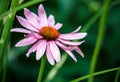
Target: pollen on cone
<point>49,33</point>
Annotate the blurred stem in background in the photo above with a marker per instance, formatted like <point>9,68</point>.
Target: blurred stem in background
<point>55,69</point>
<point>93,5</point>
<point>4,41</point>
<point>95,74</point>
<point>101,31</point>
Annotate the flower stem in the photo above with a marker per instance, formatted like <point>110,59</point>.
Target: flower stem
<point>4,4</point>
<point>99,39</point>
<point>4,42</point>
<point>42,66</point>
<point>6,30</point>
<point>5,64</point>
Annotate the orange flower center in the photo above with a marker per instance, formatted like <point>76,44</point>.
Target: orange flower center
<point>49,33</point>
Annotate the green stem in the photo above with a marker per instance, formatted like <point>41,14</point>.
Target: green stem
<point>42,66</point>
<point>4,4</point>
<point>117,76</point>
<point>5,64</point>
<point>7,26</point>
<point>95,74</point>
<point>5,37</point>
<point>99,39</point>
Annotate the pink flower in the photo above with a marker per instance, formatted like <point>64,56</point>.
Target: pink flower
<point>43,33</point>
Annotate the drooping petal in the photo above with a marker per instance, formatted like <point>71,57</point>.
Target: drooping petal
<point>26,41</point>
<point>63,46</point>
<point>21,30</point>
<point>41,49</point>
<point>49,55</point>
<point>58,26</point>
<point>33,48</point>
<point>68,50</point>
<point>51,20</point>
<point>55,51</point>
<point>26,24</point>
<point>32,18</point>
<point>70,43</point>
<point>42,16</point>
<point>71,55</point>
<point>77,29</point>
<point>72,36</point>
<point>78,50</point>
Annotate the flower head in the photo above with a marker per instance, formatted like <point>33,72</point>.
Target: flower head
<point>43,33</point>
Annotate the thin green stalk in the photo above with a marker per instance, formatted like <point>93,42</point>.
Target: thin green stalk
<point>6,32</point>
<point>42,66</point>
<point>5,69</point>
<point>99,39</point>
<point>55,69</point>
<point>95,74</point>
<point>4,4</point>
<point>5,64</point>
<point>117,76</point>
<point>27,4</point>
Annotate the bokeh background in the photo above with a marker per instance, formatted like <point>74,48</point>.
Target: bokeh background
<point>71,13</point>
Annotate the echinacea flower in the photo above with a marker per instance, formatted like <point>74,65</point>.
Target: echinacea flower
<point>43,33</point>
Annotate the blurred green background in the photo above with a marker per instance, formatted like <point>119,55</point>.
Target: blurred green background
<point>71,13</point>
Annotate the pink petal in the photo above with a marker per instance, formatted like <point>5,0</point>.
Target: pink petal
<point>33,48</point>
<point>49,55</point>
<point>51,20</point>
<point>71,55</point>
<point>63,46</point>
<point>42,16</point>
<point>26,41</point>
<point>78,50</point>
<point>32,18</point>
<point>55,51</point>
<point>70,43</point>
<point>77,29</point>
<point>26,24</point>
<point>72,36</point>
<point>21,30</point>
<point>41,49</point>
<point>58,26</point>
